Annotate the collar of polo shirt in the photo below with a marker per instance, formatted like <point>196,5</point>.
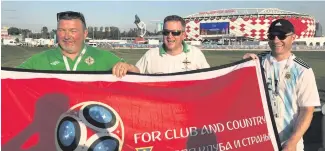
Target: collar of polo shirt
<point>163,51</point>
<point>60,54</point>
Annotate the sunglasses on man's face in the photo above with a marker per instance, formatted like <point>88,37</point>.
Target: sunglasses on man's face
<point>174,33</point>
<point>70,14</point>
<point>281,36</point>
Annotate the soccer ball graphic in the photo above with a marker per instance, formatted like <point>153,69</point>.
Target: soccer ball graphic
<point>89,126</point>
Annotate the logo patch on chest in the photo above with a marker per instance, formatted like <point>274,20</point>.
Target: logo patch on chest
<point>89,60</point>
<point>54,63</point>
<point>288,75</point>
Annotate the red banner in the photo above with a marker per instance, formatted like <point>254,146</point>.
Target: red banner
<point>222,108</point>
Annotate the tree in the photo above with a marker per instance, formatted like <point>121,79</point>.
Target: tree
<point>25,33</point>
<point>36,35</point>
<point>45,32</point>
<point>148,33</point>
<point>107,33</point>
<point>95,32</point>
<point>90,31</point>
<point>14,31</point>
<point>53,32</point>
<point>108,29</point>
<point>115,32</point>
<point>133,32</point>
<point>124,34</point>
<point>159,33</point>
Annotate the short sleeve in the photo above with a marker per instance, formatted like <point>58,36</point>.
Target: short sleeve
<point>142,64</point>
<point>203,62</point>
<point>307,92</point>
<point>111,59</point>
<point>28,64</point>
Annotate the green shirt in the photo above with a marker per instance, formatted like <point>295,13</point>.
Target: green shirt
<point>94,59</point>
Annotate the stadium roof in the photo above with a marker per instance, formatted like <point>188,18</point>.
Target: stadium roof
<point>244,12</point>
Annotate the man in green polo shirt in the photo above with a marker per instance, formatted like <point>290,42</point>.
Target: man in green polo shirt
<point>73,54</point>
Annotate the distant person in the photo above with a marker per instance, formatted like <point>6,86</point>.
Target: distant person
<point>73,54</point>
<point>174,55</point>
<point>292,86</point>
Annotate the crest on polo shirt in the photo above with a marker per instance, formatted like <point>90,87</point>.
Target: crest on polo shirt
<point>186,63</point>
<point>89,60</point>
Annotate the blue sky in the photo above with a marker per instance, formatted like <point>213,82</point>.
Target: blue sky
<point>36,14</point>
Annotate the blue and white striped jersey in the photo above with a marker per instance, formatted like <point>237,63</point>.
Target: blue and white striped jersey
<point>297,88</point>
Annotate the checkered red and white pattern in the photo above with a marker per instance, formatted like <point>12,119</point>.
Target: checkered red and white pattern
<point>253,27</point>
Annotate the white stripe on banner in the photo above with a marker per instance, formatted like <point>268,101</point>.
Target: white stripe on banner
<point>129,78</point>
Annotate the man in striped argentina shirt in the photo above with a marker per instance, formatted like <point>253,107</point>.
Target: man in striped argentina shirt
<point>291,84</point>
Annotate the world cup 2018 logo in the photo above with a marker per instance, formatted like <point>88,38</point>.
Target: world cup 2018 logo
<point>89,126</point>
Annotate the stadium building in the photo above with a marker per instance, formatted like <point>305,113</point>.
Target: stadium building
<point>4,33</point>
<point>244,23</point>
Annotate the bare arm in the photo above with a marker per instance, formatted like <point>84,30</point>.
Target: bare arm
<point>121,68</point>
<point>133,68</point>
<point>304,119</point>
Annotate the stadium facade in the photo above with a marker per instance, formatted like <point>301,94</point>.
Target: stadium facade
<point>250,23</point>
<point>319,30</point>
